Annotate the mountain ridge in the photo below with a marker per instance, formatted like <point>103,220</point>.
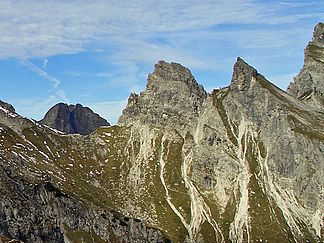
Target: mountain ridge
<point>243,163</point>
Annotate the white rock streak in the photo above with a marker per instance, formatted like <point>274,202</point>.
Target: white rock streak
<point>168,198</point>
<point>284,199</point>
<point>241,223</point>
<point>200,212</point>
<point>317,223</point>
<point>141,159</point>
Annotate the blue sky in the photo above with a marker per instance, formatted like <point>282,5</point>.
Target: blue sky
<point>97,52</point>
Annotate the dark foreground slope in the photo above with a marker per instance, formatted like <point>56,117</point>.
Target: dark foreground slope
<point>242,164</point>
<point>36,207</point>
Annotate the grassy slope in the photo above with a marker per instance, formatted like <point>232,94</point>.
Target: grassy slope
<point>109,170</point>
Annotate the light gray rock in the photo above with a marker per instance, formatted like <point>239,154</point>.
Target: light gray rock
<point>242,164</point>
<point>172,97</point>
<point>308,85</point>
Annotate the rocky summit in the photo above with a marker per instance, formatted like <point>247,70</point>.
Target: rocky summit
<point>172,98</point>
<point>243,163</point>
<point>7,106</point>
<point>308,86</point>
<point>73,119</point>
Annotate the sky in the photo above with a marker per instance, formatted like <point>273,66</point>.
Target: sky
<point>97,52</point>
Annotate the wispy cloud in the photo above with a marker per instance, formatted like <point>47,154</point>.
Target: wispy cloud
<point>59,94</point>
<point>204,35</point>
<point>45,62</point>
<point>47,28</point>
<point>41,72</point>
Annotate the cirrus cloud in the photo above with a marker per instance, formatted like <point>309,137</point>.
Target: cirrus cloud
<point>48,28</point>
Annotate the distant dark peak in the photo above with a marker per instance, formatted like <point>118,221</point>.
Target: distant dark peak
<point>73,119</point>
<point>7,106</point>
<point>77,106</point>
<point>243,75</point>
<point>318,35</point>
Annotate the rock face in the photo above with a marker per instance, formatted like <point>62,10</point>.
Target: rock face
<point>241,164</point>
<point>7,106</point>
<point>309,83</point>
<point>172,97</point>
<point>33,204</point>
<point>42,213</point>
<point>73,119</point>
<point>241,148</point>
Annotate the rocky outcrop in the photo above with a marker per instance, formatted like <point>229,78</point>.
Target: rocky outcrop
<point>34,208</point>
<point>43,213</point>
<point>73,119</point>
<point>241,147</point>
<point>308,85</point>
<point>7,106</point>
<point>172,97</point>
<point>242,164</point>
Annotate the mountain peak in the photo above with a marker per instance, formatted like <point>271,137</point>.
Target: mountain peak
<point>171,71</point>
<point>171,75</point>
<point>318,35</point>
<point>73,119</point>
<point>171,92</point>
<point>7,106</point>
<point>243,164</point>
<point>308,85</point>
<point>243,75</point>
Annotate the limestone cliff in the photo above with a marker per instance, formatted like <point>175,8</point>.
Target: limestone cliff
<point>308,85</point>
<point>172,98</point>
<point>241,164</point>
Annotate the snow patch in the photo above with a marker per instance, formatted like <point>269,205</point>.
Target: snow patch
<point>8,113</point>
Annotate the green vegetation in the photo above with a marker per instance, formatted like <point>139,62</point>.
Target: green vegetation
<point>173,178</point>
<point>266,218</point>
<point>111,169</point>
<point>208,233</point>
<point>306,130</point>
<point>82,236</point>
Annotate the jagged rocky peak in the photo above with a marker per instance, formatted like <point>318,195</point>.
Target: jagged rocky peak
<point>172,73</point>
<point>171,92</point>
<point>318,36</point>
<point>7,106</point>
<point>173,76</point>
<point>243,76</point>
<point>73,119</point>
<point>308,85</point>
